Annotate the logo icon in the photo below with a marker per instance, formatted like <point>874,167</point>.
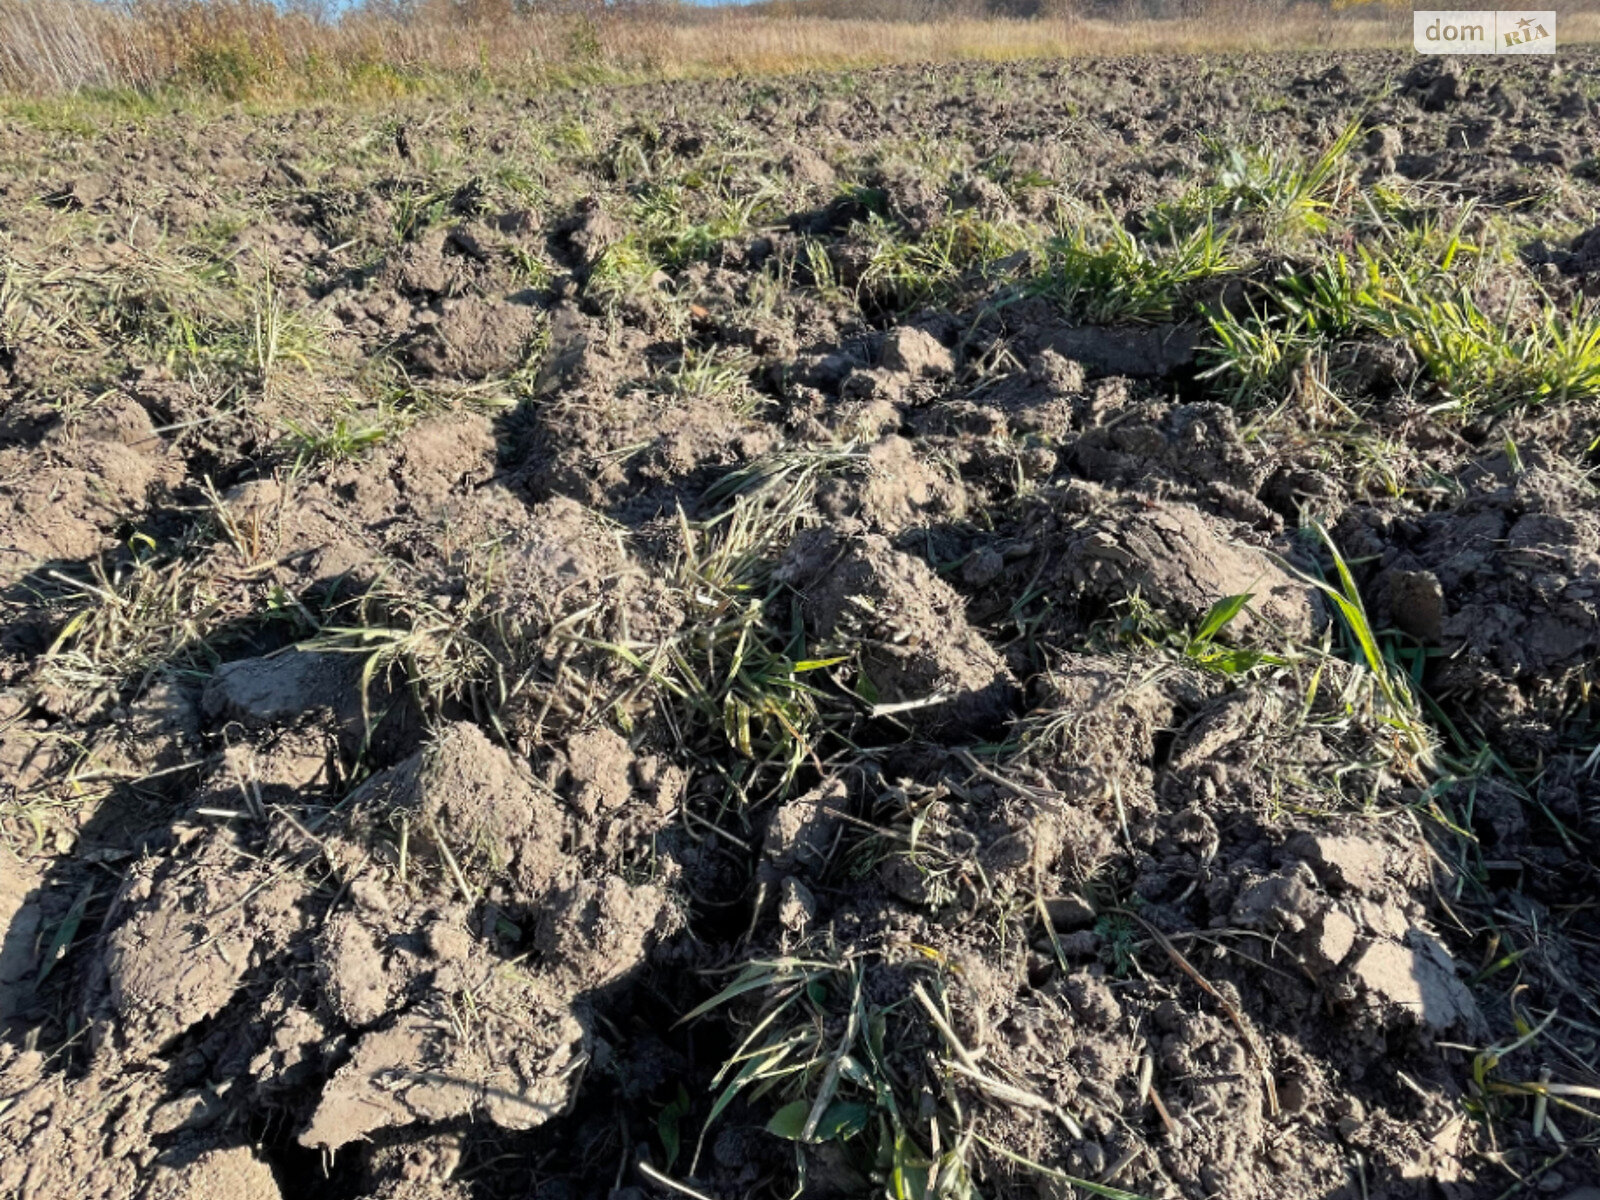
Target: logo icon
<point>1484,31</point>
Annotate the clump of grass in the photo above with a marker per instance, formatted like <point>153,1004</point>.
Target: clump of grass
<point>1280,188</point>
<point>1336,297</point>
<point>960,250</point>
<point>158,307</point>
<point>1415,277</point>
<point>524,180</point>
<point>531,267</point>
<point>804,262</point>
<point>1141,625</point>
<point>626,273</point>
<point>573,136</point>
<point>1293,193</point>
<point>918,832</point>
<point>1483,362</point>
<point>710,375</point>
<point>402,396</point>
<point>437,651</point>
<point>133,620</point>
<point>1256,354</point>
<point>734,676</point>
<point>276,335</point>
<point>154,612</point>
<point>416,210</point>
<point>737,669</point>
<point>388,400</point>
<point>860,1051</point>
<point>342,439</point>
<point>832,1064</point>
<point>1354,691</point>
<point>685,222</point>
<point>1397,708</point>
<point>167,309</point>
<point>1111,276</point>
<point>1524,353</point>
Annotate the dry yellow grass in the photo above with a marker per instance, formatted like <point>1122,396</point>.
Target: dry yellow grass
<point>252,49</point>
<point>732,42</point>
<point>770,44</point>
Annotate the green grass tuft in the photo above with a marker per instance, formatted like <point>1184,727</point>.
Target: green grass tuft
<point>1114,276</point>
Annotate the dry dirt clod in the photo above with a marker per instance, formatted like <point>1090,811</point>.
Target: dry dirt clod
<point>917,353</point>
<point>924,664</point>
<point>802,834</point>
<point>600,762</point>
<point>893,490</point>
<point>469,804</point>
<point>475,339</point>
<point>419,1070</point>
<point>236,1172</point>
<point>591,231</point>
<point>283,687</point>
<point>189,934</point>
<point>1136,353</point>
<point>1180,562</point>
<point>1417,980</point>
